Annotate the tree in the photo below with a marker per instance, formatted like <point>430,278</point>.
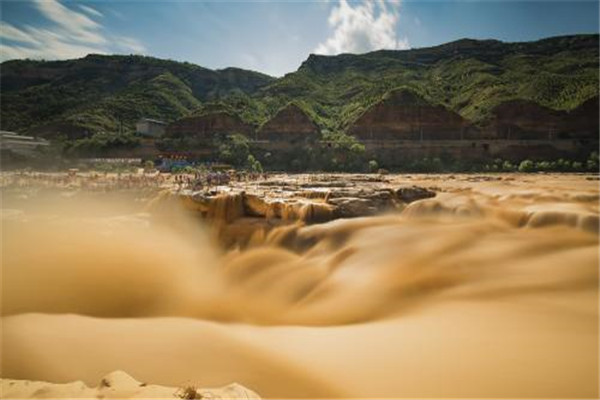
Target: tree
<point>234,149</point>
<point>507,166</point>
<point>342,152</point>
<point>592,162</point>
<point>253,164</point>
<point>149,166</point>
<point>373,166</point>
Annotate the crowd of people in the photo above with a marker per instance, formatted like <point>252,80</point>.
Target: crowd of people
<point>104,181</point>
<point>208,180</point>
<point>100,181</point>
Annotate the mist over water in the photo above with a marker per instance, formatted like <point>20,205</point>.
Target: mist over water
<point>475,293</point>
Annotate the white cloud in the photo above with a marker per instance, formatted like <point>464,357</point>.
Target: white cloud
<point>91,11</point>
<point>363,27</point>
<point>77,24</point>
<point>71,34</point>
<point>9,32</point>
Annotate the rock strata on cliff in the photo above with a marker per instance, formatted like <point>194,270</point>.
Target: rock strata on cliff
<point>523,119</point>
<point>207,125</point>
<point>582,122</point>
<point>527,120</point>
<point>405,115</point>
<point>290,124</point>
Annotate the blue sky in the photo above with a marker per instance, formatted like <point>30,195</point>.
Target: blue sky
<point>272,36</point>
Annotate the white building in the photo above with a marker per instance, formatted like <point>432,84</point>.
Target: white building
<point>20,144</point>
<point>150,127</point>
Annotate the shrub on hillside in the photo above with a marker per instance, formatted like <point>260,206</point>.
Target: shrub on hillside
<point>373,166</point>
<point>526,166</point>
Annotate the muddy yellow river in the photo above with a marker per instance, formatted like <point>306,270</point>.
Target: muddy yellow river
<point>488,290</point>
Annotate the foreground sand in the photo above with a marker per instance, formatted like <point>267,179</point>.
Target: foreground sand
<point>117,385</point>
<point>453,297</point>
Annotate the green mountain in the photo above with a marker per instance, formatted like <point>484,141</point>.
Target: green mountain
<point>110,93</point>
<point>80,98</point>
<point>469,77</point>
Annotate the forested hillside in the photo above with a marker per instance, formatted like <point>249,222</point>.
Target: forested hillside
<point>105,95</point>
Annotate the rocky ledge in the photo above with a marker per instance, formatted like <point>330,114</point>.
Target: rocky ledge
<point>307,203</point>
<point>239,210</point>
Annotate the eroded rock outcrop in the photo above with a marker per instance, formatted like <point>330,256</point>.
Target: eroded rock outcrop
<point>243,213</point>
<point>290,124</point>
<point>295,204</point>
<point>205,126</point>
<point>583,122</point>
<point>414,193</point>
<point>524,119</point>
<point>405,115</point>
<point>528,120</point>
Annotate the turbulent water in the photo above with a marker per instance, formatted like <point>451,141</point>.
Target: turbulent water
<point>488,290</point>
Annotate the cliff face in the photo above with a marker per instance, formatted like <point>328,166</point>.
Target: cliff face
<point>526,120</point>
<point>206,126</point>
<point>523,119</point>
<point>583,122</point>
<point>404,115</point>
<point>290,124</point>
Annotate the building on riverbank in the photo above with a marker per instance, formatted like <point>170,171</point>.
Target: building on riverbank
<point>150,127</point>
<point>21,144</point>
